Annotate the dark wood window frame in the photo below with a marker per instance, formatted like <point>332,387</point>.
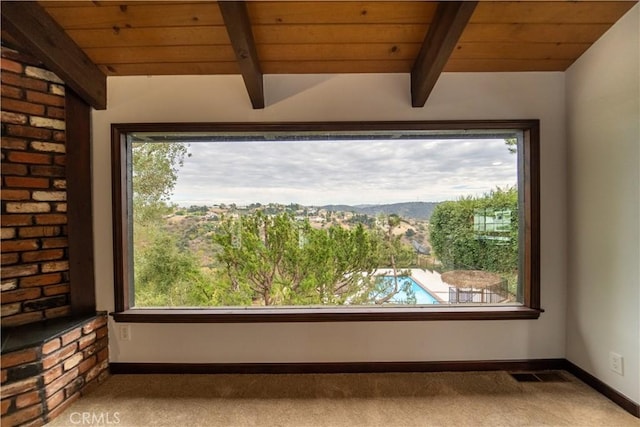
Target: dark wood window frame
<point>530,309</point>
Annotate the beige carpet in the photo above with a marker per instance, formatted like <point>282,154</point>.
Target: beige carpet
<point>403,399</point>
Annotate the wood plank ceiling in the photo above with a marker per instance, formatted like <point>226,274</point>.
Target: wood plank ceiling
<point>293,37</point>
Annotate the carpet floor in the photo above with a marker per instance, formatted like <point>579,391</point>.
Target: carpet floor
<point>400,399</point>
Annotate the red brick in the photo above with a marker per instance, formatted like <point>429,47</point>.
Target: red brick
<point>14,118</point>
<point>10,258</point>
<point>62,381</point>
<point>39,231</point>
<point>13,66</point>
<point>24,82</point>
<point>86,340</point>
<point>52,374</point>
<point>7,233</point>
<point>60,160</point>
<point>45,255</point>
<point>12,220</point>
<point>102,332</point>
<point>15,195</point>
<point>51,219</point>
<point>63,406</point>
<point>41,280</point>
<point>19,245</point>
<point>18,387</point>
<point>94,324</point>
<point>55,242</point>
<point>96,370</point>
<point>58,356</point>
<point>43,98</point>
<point>19,294</point>
<point>103,354</point>
<point>6,404</point>
<point>55,400</point>
<point>26,182</point>
<point>60,184</point>
<point>14,169</point>
<point>86,364</point>
<point>56,113</point>
<point>30,158</point>
<point>59,136</point>
<point>7,310</point>
<point>23,58</point>
<point>22,319</point>
<point>52,313</point>
<point>18,358</point>
<point>51,345</point>
<point>71,336</point>
<point>18,106</point>
<point>27,399</point>
<point>72,362</point>
<point>11,92</point>
<point>18,271</point>
<point>55,171</point>
<point>22,416</point>
<point>56,289</point>
<point>9,143</point>
<point>52,266</point>
<point>28,132</point>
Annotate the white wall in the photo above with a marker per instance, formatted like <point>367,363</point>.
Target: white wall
<point>335,98</point>
<point>603,119</point>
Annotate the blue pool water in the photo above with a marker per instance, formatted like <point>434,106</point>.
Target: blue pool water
<point>422,296</point>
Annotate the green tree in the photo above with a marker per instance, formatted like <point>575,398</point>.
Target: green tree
<point>394,255</point>
<point>167,276</point>
<point>287,262</point>
<point>162,272</point>
<point>155,172</point>
<point>458,244</point>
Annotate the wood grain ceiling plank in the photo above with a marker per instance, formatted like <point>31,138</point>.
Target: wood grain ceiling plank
<point>168,54</point>
<point>48,4</point>
<point>535,33</point>
<point>444,32</point>
<point>501,50</point>
<point>137,37</point>
<point>318,34</point>
<point>34,29</point>
<point>333,52</point>
<point>506,65</point>
<point>331,67</point>
<point>551,12</point>
<point>137,16</point>
<point>236,19</point>
<point>325,12</point>
<point>177,68</point>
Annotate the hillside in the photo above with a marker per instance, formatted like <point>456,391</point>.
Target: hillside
<point>415,210</point>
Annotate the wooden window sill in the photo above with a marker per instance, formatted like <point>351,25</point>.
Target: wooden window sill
<point>306,314</point>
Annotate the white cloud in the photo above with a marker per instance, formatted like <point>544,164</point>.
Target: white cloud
<point>342,172</point>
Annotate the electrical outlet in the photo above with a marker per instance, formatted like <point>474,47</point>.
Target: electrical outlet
<point>125,332</point>
<point>615,363</point>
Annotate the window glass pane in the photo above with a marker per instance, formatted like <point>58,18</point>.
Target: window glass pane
<point>325,218</point>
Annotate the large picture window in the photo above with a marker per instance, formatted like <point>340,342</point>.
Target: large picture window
<point>337,221</point>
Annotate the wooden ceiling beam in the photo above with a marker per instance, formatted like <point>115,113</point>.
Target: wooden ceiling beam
<point>449,22</point>
<point>32,27</point>
<point>236,19</point>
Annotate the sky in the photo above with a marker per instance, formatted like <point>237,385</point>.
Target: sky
<point>316,173</point>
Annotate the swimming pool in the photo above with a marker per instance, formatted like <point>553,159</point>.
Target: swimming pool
<point>422,296</point>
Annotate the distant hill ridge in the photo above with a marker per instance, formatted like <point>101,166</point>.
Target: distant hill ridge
<point>415,210</point>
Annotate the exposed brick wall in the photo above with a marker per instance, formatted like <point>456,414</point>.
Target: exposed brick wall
<point>40,382</point>
<point>34,233</point>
